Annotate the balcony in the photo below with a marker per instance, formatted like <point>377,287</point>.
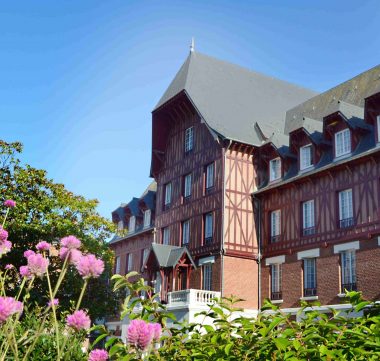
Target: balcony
<point>191,297</point>
<point>275,296</point>
<point>347,222</point>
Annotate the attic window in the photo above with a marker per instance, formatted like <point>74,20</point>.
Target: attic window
<point>305,157</point>
<point>147,218</point>
<point>132,224</point>
<point>189,140</point>
<point>342,143</point>
<point>275,169</point>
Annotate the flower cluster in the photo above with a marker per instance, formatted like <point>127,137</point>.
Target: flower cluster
<point>141,333</point>
<point>9,203</point>
<point>5,245</point>
<point>43,246</point>
<point>90,267</point>
<point>98,355</point>
<point>79,320</point>
<point>55,302</point>
<point>9,306</point>
<point>37,264</point>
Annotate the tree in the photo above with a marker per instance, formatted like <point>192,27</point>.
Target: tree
<point>48,211</point>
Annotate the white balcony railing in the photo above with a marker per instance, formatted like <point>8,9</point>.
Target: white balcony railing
<point>191,297</point>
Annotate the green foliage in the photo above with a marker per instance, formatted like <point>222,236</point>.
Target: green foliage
<point>48,211</point>
<point>272,335</point>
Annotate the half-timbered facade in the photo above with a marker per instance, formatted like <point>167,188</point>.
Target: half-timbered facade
<point>318,198</point>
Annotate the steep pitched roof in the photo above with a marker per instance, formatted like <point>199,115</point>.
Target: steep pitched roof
<point>231,99</point>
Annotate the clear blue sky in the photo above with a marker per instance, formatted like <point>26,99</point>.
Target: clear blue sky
<point>78,79</point>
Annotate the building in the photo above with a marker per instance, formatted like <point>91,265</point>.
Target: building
<point>238,157</point>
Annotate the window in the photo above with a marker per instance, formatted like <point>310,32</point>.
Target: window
<point>147,218</point>
<point>187,186</point>
<point>345,209</point>
<point>275,226</point>
<point>308,217</point>
<point>166,236</point>
<point>129,262</point>
<point>144,255</point>
<point>120,225</point>
<point>275,169</point>
<point>207,277</point>
<point>305,157</point>
<point>210,174</point>
<point>189,140</point>
<point>276,276</point>
<point>348,268</point>
<point>378,128</point>
<point>132,224</point>
<point>185,232</point>
<point>168,195</point>
<point>342,142</point>
<point>208,228</point>
<point>309,277</point>
<point>117,265</point>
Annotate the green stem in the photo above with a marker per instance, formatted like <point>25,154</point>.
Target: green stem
<point>5,218</point>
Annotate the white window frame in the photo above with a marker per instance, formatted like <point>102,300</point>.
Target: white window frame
<point>346,210</point>
<point>207,277</point>
<point>310,273</point>
<point>210,175</point>
<point>208,226</point>
<point>342,143</point>
<point>147,218</point>
<point>348,267</point>
<point>187,185</point>
<point>275,223</point>
<point>306,157</point>
<point>275,278</point>
<point>378,128</point>
<point>168,193</point>
<point>185,232</point>
<point>120,225</point>
<point>166,236</point>
<point>308,214</point>
<point>130,262</point>
<point>117,265</point>
<point>189,139</point>
<point>145,254</point>
<point>275,169</point>
<point>132,224</point>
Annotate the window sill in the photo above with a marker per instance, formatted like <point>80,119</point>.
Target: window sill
<point>341,295</point>
<point>309,298</point>
<point>307,169</point>
<point>339,157</point>
<point>274,181</point>
<point>277,302</point>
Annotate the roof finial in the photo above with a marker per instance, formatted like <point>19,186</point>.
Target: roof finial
<point>192,45</point>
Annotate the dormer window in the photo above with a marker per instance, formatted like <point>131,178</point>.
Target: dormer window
<point>147,218</point>
<point>189,140</point>
<point>342,143</point>
<point>132,224</point>
<point>120,225</point>
<point>306,157</point>
<point>275,169</point>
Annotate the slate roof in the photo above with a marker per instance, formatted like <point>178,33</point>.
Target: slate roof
<point>168,256</point>
<point>231,99</point>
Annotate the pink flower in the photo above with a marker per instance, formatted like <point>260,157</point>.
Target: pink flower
<point>9,267</point>
<point>79,320</point>
<point>10,203</point>
<point>37,264</point>
<point>70,242</point>
<point>55,302</point>
<point>74,255</point>
<point>5,247</point>
<point>98,355</point>
<point>28,253</point>
<point>156,327</point>
<point>43,246</point>
<point>3,234</point>
<point>25,272</point>
<point>90,266</point>
<point>9,306</point>
<point>140,334</point>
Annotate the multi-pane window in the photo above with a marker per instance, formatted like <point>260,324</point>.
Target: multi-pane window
<point>132,224</point>
<point>167,195</point>
<point>276,281</point>
<point>187,186</point>
<point>207,277</point>
<point>210,174</point>
<point>144,254</point>
<point>275,169</point>
<point>166,236</point>
<point>306,157</point>
<point>345,209</point>
<point>309,277</point>
<point>185,232</point>
<point>117,265</point>
<point>342,142</point>
<point>308,217</point>
<point>348,270</point>
<point>129,262</point>
<point>275,226</point>
<point>147,218</point>
<point>208,228</point>
<point>189,139</point>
